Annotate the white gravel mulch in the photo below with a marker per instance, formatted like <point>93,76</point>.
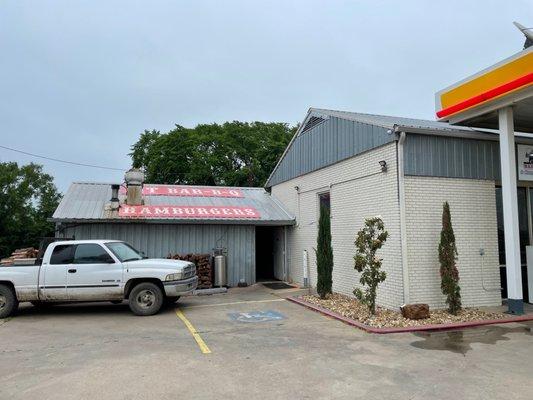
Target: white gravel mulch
<point>384,318</point>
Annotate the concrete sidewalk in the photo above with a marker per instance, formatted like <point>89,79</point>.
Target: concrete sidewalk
<point>262,347</point>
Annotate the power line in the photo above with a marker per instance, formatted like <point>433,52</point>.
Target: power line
<point>62,161</point>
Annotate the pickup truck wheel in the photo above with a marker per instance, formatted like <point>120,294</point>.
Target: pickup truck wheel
<point>8,302</point>
<point>146,299</point>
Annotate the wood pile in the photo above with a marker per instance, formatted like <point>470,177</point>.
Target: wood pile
<point>204,267</point>
<point>28,252</point>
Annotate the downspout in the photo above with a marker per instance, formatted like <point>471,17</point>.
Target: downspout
<point>403,225</point>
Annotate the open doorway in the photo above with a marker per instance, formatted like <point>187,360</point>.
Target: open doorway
<point>524,235</point>
<point>269,253</point>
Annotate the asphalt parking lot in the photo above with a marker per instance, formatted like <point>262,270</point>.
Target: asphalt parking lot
<point>250,344</point>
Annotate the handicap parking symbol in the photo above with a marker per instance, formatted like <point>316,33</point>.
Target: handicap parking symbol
<point>256,316</point>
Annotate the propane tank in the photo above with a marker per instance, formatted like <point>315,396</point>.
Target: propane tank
<point>221,268</point>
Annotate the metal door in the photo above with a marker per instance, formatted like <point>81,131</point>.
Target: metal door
<point>53,279</point>
<point>94,274</point>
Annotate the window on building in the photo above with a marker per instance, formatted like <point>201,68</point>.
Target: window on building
<point>91,253</point>
<point>324,200</point>
<point>61,255</point>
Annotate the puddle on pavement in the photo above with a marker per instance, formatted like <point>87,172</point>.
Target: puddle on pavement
<point>461,341</point>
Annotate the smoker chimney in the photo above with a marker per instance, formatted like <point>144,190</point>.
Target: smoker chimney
<point>134,183</point>
<point>114,197</point>
<point>114,192</point>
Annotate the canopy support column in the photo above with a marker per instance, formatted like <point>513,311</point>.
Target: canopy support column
<point>510,211</point>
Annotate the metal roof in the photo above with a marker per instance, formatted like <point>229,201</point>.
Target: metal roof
<point>390,122</point>
<point>89,202</point>
<point>317,117</point>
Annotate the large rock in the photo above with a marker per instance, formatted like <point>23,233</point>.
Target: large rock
<point>415,311</point>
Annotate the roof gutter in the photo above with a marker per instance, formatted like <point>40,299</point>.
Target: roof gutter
<point>253,222</point>
<point>490,136</point>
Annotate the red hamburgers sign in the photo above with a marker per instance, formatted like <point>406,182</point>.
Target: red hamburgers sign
<point>187,191</point>
<point>192,212</point>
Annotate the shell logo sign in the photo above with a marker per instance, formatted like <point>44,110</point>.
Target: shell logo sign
<point>187,191</point>
<point>188,212</point>
<point>509,76</point>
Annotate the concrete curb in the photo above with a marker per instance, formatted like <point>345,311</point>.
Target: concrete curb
<point>204,292</point>
<point>439,327</point>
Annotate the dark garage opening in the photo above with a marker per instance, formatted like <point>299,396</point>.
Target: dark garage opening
<point>264,253</point>
<point>270,253</point>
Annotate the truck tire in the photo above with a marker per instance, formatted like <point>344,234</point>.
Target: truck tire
<point>8,302</point>
<point>145,299</point>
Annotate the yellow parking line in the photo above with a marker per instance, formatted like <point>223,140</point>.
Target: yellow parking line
<point>235,302</point>
<point>201,344</point>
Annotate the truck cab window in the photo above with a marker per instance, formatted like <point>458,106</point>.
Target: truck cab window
<point>91,253</point>
<point>62,255</point>
<point>124,252</point>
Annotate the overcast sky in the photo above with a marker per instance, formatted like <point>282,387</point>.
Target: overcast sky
<point>80,80</point>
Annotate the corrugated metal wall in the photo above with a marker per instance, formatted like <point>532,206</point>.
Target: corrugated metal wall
<point>327,143</point>
<point>158,240</point>
<point>451,157</point>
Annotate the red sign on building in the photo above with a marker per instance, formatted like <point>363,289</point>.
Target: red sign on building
<point>187,191</point>
<point>193,212</point>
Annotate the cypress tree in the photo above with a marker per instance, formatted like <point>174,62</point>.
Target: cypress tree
<point>448,268</point>
<point>324,254</point>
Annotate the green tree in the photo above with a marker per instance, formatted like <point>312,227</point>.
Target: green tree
<point>447,258</point>
<point>368,241</point>
<point>28,198</point>
<point>324,254</point>
<point>233,154</point>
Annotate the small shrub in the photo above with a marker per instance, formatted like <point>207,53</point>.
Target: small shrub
<point>447,258</point>
<point>368,241</point>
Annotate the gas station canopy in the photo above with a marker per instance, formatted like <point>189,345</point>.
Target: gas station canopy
<point>499,97</point>
<point>475,101</point>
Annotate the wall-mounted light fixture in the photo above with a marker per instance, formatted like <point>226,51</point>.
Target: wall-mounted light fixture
<point>383,165</point>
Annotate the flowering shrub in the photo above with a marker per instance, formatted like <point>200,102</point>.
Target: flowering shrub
<point>368,241</point>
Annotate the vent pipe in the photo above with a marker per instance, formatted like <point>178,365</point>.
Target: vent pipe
<point>134,184</point>
<point>114,197</point>
<point>114,192</point>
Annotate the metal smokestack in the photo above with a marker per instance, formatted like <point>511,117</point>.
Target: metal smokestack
<point>114,192</point>
<point>134,183</point>
<point>114,197</point>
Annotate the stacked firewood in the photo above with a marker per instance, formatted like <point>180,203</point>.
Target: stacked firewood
<point>28,252</point>
<point>204,267</point>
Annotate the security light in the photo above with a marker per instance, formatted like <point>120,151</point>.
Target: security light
<point>383,165</point>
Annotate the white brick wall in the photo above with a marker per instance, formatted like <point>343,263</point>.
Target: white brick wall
<point>358,190</point>
<point>473,211</point>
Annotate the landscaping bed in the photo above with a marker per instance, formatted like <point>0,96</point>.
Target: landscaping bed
<point>350,308</point>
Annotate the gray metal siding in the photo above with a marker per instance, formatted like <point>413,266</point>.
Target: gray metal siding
<point>327,143</point>
<point>158,240</point>
<point>451,157</point>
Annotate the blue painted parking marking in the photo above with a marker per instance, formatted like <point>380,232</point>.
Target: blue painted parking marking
<point>257,316</point>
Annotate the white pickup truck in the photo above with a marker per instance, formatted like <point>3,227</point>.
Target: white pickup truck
<point>96,270</point>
